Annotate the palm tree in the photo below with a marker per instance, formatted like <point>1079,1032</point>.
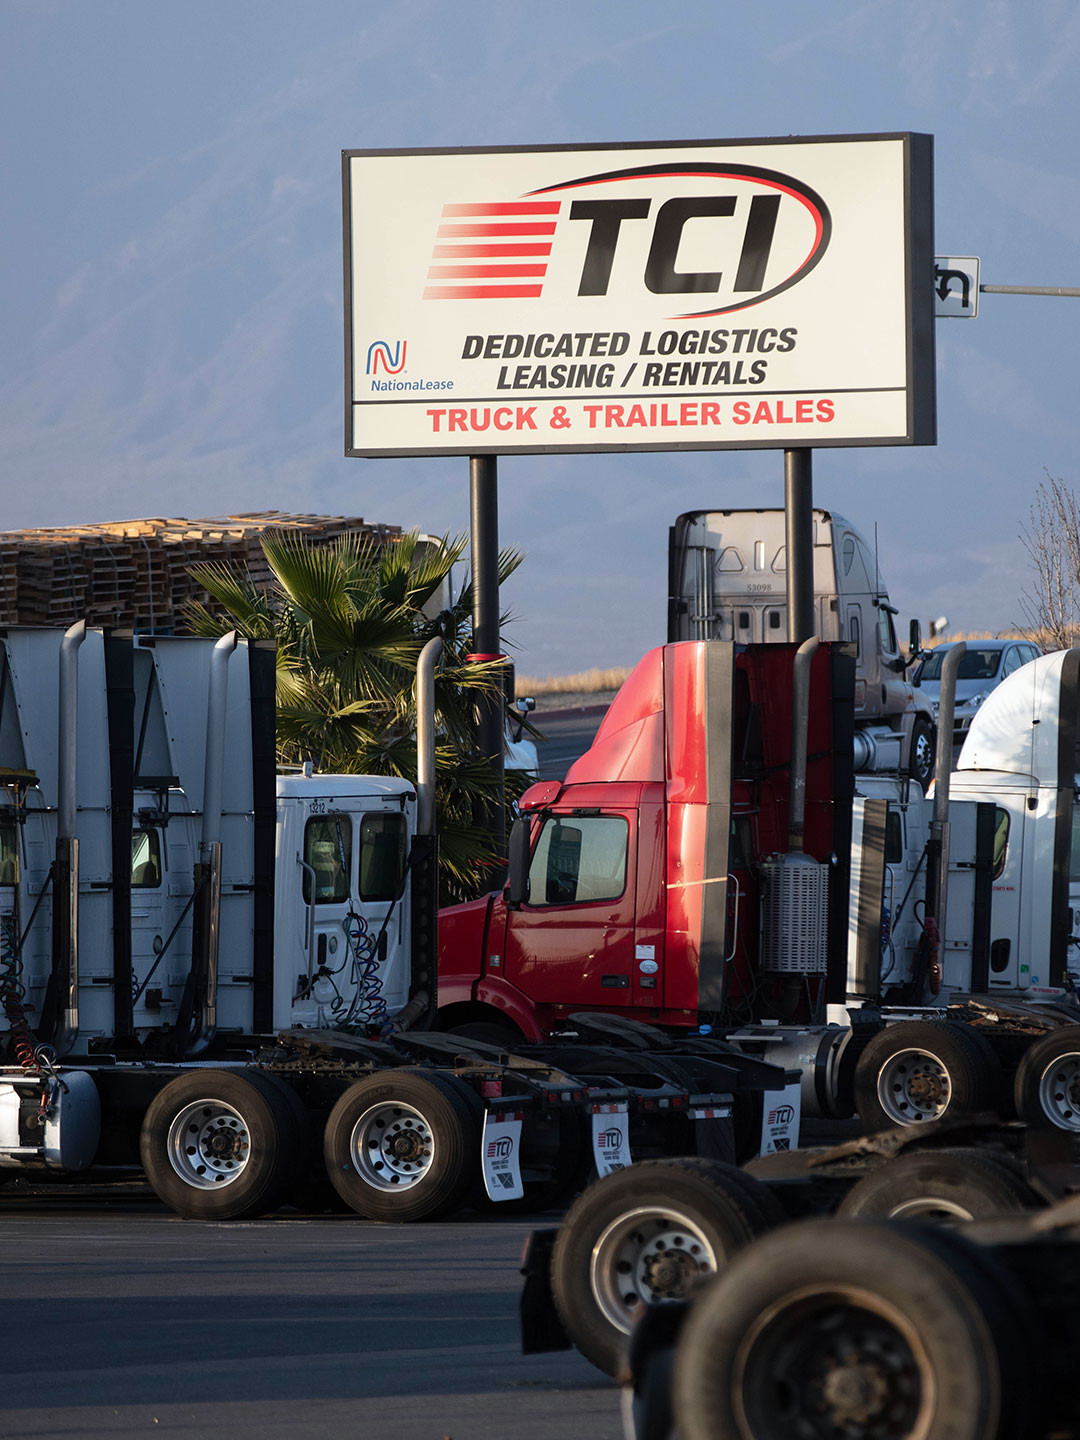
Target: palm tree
<point>350,618</point>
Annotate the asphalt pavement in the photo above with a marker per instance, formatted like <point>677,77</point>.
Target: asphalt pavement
<point>123,1320</point>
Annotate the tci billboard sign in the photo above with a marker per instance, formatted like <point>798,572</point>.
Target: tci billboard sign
<point>696,295</point>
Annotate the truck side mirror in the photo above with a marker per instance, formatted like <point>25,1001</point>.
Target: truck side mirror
<point>915,640</point>
<point>517,878</point>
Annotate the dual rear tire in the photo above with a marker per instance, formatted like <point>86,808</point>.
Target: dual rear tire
<point>231,1145</point>
<point>647,1234</point>
<point>916,1071</point>
<point>829,1328</point>
<point>224,1144</point>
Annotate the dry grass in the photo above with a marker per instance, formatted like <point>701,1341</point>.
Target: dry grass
<point>585,682</point>
<point>975,635</point>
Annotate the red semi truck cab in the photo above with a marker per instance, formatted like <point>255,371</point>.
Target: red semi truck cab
<point>636,889</point>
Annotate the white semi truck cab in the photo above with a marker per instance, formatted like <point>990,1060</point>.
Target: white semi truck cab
<point>727,580</point>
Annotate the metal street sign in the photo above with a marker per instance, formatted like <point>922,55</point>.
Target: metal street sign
<point>956,286</point>
<point>696,295</point>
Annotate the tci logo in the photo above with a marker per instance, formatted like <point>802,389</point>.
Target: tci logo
<point>782,1115</point>
<point>499,1149</point>
<point>390,358</point>
<point>610,1139</point>
<point>738,233</point>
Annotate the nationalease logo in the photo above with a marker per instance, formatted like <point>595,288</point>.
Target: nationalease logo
<point>739,233</point>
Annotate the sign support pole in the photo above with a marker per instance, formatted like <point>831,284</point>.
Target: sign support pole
<point>484,541</point>
<point>799,537</point>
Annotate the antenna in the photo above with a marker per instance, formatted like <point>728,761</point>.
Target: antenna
<point>877,567</point>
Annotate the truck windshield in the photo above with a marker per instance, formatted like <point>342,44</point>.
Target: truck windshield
<point>976,664</point>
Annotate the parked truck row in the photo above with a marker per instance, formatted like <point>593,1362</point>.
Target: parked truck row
<point>229,977</point>
<point>714,859</point>
<point>711,909</point>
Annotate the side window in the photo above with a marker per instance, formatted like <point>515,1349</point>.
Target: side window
<point>1074,860</point>
<point>579,859</point>
<point>886,632</point>
<point>1012,661</point>
<point>894,837</point>
<point>9,854</point>
<point>328,850</point>
<point>382,855</point>
<point>1001,842</point>
<point>145,860</point>
<point>854,635</point>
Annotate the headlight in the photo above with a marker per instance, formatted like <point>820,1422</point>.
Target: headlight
<point>974,702</point>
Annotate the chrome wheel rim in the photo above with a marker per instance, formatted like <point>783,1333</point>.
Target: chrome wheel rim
<point>931,1207</point>
<point>1059,1091</point>
<point>914,1086</point>
<point>392,1146</point>
<point>832,1362</point>
<point>924,756</point>
<point>209,1144</point>
<point>647,1255</point>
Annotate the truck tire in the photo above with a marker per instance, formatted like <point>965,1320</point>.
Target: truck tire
<point>403,1146</point>
<point>646,1234</point>
<point>490,1031</point>
<point>831,1328</point>
<point>1047,1087</point>
<point>923,752</point>
<point>948,1187</point>
<point>220,1145</point>
<point>308,1179</point>
<point>920,1070</point>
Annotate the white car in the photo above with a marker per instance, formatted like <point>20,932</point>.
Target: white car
<point>985,664</point>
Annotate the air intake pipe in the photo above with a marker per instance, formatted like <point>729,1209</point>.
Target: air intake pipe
<point>62,998</point>
<point>800,729</point>
<point>207,918</point>
<point>937,870</point>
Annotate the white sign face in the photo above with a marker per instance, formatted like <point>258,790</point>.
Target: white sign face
<point>956,286</point>
<point>729,293</point>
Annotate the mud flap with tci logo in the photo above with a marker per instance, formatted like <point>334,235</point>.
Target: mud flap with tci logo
<point>780,1119</point>
<point>610,1137</point>
<point>500,1152</point>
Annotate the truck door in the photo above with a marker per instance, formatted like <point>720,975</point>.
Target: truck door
<point>572,942</point>
<point>354,867</point>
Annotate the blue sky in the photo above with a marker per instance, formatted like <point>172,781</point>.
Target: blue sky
<point>170,271</point>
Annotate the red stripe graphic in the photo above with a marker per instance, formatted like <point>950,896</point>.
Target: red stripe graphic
<point>517,232</point>
<point>485,272</point>
<point>505,207</point>
<point>460,232</point>
<point>482,292</point>
<point>490,252</point>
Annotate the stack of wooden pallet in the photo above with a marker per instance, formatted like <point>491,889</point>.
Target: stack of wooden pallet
<point>137,572</point>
